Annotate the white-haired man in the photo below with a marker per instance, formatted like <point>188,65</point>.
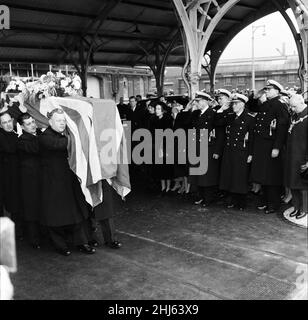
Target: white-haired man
<point>297,156</point>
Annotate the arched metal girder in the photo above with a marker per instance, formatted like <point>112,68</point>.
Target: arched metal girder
<point>300,10</point>
<point>198,27</point>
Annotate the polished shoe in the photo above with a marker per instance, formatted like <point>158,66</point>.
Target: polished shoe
<point>269,211</point>
<point>85,248</point>
<point>114,244</point>
<point>261,207</point>
<point>198,202</point>
<point>293,213</point>
<point>230,206</point>
<point>241,208</point>
<point>64,251</point>
<point>301,215</point>
<point>93,243</point>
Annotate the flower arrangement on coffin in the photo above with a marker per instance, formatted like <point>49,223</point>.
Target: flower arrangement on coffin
<point>58,84</point>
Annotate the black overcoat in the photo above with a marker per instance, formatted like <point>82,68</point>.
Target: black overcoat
<point>199,122</point>
<point>105,210</point>
<point>161,170</point>
<point>270,131</point>
<point>239,142</point>
<point>297,151</point>
<point>10,175</point>
<point>63,202</point>
<point>30,173</point>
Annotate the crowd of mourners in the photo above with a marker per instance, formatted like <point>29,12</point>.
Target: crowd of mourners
<point>256,143</point>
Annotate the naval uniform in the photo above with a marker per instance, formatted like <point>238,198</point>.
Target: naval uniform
<point>234,175</point>
<point>207,183</point>
<point>270,132</point>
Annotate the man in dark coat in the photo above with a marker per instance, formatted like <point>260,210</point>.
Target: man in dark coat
<point>10,167</point>
<point>29,161</point>
<point>270,136</point>
<point>103,214</point>
<point>64,209</point>
<point>237,152</point>
<point>123,109</point>
<point>205,119</point>
<point>297,156</point>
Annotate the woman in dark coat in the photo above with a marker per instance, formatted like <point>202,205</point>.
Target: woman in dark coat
<point>163,171</point>
<point>297,156</point>
<point>64,209</point>
<point>237,153</point>
<point>30,186</point>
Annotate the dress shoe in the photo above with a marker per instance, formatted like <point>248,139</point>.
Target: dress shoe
<point>85,248</point>
<point>262,207</point>
<point>114,244</point>
<point>93,243</point>
<point>63,251</point>
<point>301,215</point>
<point>241,208</point>
<point>198,202</point>
<point>230,206</point>
<point>293,213</point>
<point>269,211</point>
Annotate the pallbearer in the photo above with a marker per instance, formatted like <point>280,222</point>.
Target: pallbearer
<point>64,209</point>
<point>28,150</point>
<point>237,152</point>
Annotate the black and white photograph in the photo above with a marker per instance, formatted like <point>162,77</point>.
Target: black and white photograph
<point>153,153</point>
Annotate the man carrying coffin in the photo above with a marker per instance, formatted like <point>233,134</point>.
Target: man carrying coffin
<point>270,137</point>
<point>28,150</point>
<point>10,170</point>
<point>237,152</point>
<point>64,209</point>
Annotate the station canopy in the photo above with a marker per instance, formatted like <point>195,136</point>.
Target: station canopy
<point>121,33</point>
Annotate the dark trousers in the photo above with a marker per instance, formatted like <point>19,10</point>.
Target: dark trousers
<point>271,197</point>
<point>60,236</point>
<point>32,229</point>
<point>300,199</point>
<point>107,227</point>
<point>208,194</point>
<point>238,199</point>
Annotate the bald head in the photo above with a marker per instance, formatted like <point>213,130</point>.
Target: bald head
<point>297,103</point>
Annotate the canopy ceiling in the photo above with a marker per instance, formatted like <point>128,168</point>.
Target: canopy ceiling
<point>53,31</point>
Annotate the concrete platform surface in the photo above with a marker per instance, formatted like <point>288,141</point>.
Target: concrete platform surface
<point>175,250</point>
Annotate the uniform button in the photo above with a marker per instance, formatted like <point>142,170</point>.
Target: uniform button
<point>240,127</point>
<point>236,139</point>
<point>234,145</point>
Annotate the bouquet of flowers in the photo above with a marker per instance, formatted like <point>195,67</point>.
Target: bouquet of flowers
<point>58,84</point>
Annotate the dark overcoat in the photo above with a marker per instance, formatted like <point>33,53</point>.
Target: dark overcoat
<point>1,184</point>
<point>239,142</point>
<point>63,202</point>
<point>11,190</point>
<point>105,210</point>
<point>30,173</point>
<point>182,121</point>
<point>270,131</point>
<point>161,170</point>
<point>297,151</point>
<point>200,122</point>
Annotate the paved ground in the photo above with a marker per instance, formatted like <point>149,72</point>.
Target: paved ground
<point>172,250</point>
